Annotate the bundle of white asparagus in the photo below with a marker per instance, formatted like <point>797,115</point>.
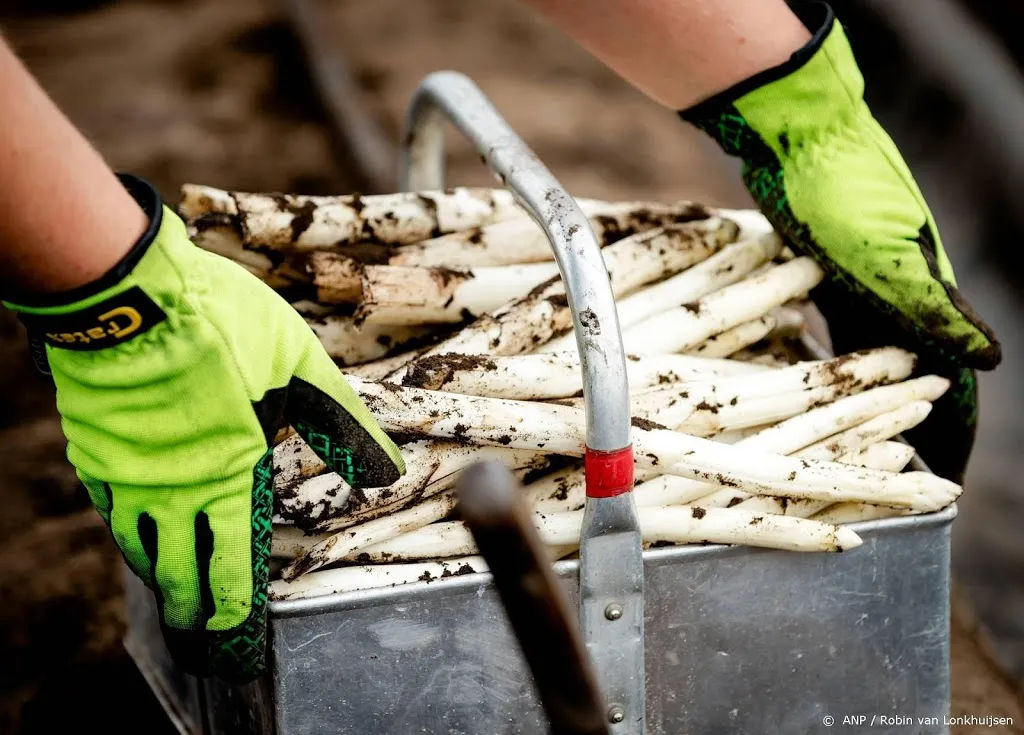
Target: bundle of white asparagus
<point>446,312</point>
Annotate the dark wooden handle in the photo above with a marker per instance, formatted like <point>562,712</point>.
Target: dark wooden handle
<point>490,501</point>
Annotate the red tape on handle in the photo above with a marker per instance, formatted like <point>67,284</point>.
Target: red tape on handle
<point>609,473</point>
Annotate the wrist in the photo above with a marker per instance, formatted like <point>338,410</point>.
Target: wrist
<point>150,205</point>
<point>817,20</point>
<point>680,52</point>
<point>747,52</point>
<point>135,294</point>
<point>779,108</point>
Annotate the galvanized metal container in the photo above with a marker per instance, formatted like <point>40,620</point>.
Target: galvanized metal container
<point>738,640</point>
<point>730,640</point>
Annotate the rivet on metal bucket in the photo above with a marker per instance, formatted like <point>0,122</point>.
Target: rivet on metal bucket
<point>616,714</point>
<point>613,611</point>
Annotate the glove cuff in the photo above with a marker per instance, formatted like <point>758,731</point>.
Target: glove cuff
<point>147,197</point>
<point>125,302</point>
<point>809,87</point>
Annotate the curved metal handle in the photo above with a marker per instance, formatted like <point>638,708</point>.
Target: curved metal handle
<point>445,96</point>
<point>611,561</point>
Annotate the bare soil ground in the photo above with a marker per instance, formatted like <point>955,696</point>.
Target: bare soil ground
<point>212,92</point>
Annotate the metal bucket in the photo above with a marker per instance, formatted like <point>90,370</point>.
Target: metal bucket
<point>738,640</point>
<point>726,639</point>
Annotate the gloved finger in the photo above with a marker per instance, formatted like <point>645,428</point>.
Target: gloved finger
<point>910,283</point>
<point>946,439</point>
<point>161,545</point>
<point>337,425</point>
<point>126,508</point>
<point>208,571</point>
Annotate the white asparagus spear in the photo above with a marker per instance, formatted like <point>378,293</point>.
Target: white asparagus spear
<point>523,241</point>
<point>821,424</point>
<point>373,576</point>
<point>732,341</point>
<point>769,474</point>
<point>880,428</point>
<point>890,456</point>
<point>291,542</point>
<point>887,455</point>
<point>842,513</point>
<point>730,265</point>
<point>503,243</point>
<point>294,461</point>
<point>435,468</point>
<point>702,408</point>
<point>350,342</point>
<point>222,239</point>
<point>565,490</point>
<point>338,278</point>
<point>313,500</point>
<point>410,295</point>
<point>659,524</point>
<point>646,494</point>
<point>752,223</point>
<point>560,430</point>
<point>684,327</point>
<point>543,376</point>
<point>526,323</point>
<point>704,416</point>
<point>348,544</point>
<point>863,369</point>
<point>498,420</point>
<point>380,369</point>
<point>325,502</point>
<point>789,322</point>
<point>290,222</point>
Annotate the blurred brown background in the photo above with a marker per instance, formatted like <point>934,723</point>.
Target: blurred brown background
<point>219,92</point>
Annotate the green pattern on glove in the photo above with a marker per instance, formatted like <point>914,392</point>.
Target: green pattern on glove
<point>242,648</point>
<point>833,183</point>
<point>173,374</point>
<point>340,459</point>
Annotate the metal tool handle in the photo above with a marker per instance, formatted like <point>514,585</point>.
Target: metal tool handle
<point>492,505</point>
<point>611,566</point>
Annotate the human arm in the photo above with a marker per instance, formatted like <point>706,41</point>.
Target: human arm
<point>819,166</point>
<point>174,370</point>
<point>680,51</point>
<point>57,231</point>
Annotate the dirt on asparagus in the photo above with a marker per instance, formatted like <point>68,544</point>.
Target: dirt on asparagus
<point>213,92</point>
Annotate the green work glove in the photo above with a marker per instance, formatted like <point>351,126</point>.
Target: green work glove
<point>834,185</point>
<point>173,373</point>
